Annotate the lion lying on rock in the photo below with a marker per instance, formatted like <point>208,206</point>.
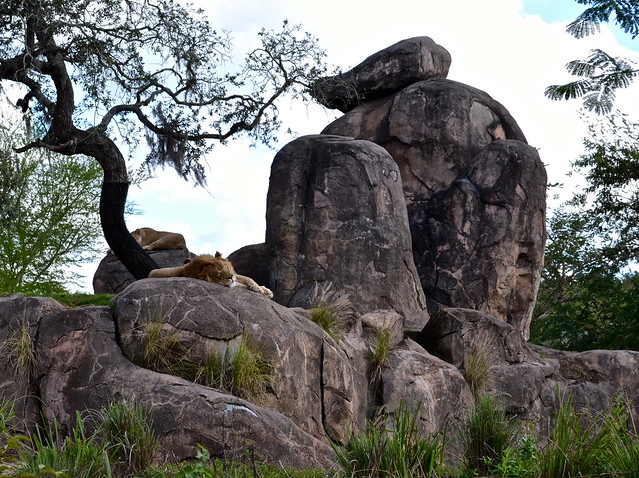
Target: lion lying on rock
<point>151,240</point>
<point>211,269</point>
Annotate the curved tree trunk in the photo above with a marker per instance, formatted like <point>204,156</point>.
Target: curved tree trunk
<point>134,258</point>
<point>112,205</point>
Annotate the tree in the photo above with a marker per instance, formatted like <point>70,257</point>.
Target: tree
<point>48,216</point>
<point>143,68</point>
<point>584,300</point>
<point>600,74</point>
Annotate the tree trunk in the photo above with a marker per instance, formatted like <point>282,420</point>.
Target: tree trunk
<point>113,202</point>
<point>130,253</point>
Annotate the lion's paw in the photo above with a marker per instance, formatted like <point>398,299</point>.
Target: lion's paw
<point>267,292</point>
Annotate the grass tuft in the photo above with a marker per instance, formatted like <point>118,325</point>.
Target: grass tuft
<point>21,351</point>
<point>243,372</point>
<point>487,434</point>
<point>329,308</point>
<point>127,428</point>
<point>477,371</point>
<point>380,354</point>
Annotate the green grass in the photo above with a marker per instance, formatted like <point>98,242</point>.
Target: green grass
<point>380,354</point>
<point>602,444</point>
<point>476,371</point>
<point>243,371</point>
<point>21,351</point>
<point>487,435</point>
<point>77,456</point>
<point>128,430</point>
<point>399,451</point>
<point>328,308</point>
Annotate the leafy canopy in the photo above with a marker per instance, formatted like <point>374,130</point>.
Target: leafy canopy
<point>601,74</point>
<point>48,217</point>
<point>149,68</point>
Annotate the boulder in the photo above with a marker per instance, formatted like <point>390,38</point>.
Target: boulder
<point>531,381</point>
<point>111,277</point>
<point>252,261</point>
<point>20,318</point>
<point>336,214</point>
<point>428,385</point>
<point>475,193</point>
<point>384,73</point>
<point>83,368</point>
<point>313,382</point>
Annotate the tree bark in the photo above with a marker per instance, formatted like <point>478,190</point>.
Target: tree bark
<point>130,253</point>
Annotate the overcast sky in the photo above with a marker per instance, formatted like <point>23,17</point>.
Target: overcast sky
<point>511,49</point>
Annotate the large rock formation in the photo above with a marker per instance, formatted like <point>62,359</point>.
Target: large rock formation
<point>336,213</point>
<point>439,190</point>
<point>474,189</point>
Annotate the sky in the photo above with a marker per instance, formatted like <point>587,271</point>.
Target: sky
<point>511,49</point>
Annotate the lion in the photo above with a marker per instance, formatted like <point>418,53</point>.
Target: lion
<point>151,240</point>
<point>212,269</point>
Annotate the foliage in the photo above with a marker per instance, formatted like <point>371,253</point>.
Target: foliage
<point>128,430</point>
<point>380,353</point>
<point>329,308</point>
<point>584,300</point>
<point>397,452</point>
<point>600,74</point>
<point>77,456</point>
<point>477,371</point>
<point>20,349</point>
<point>581,445</point>
<point>242,371</point>
<point>48,217</point>
<point>487,435</point>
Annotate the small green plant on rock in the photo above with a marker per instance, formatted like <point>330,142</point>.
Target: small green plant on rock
<point>477,371</point>
<point>243,371</point>
<point>328,308</point>
<point>21,350</point>
<point>380,353</point>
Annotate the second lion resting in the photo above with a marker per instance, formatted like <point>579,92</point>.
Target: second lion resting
<point>211,269</point>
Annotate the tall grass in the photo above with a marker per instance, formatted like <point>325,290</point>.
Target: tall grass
<point>127,429</point>
<point>380,354</point>
<point>399,452</point>
<point>77,456</point>
<point>476,371</point>
<point>487,435</point>
<point>591,444</point>
<point>21,351</point>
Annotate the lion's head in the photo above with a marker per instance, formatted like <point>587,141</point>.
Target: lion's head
<point>212,269</point>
